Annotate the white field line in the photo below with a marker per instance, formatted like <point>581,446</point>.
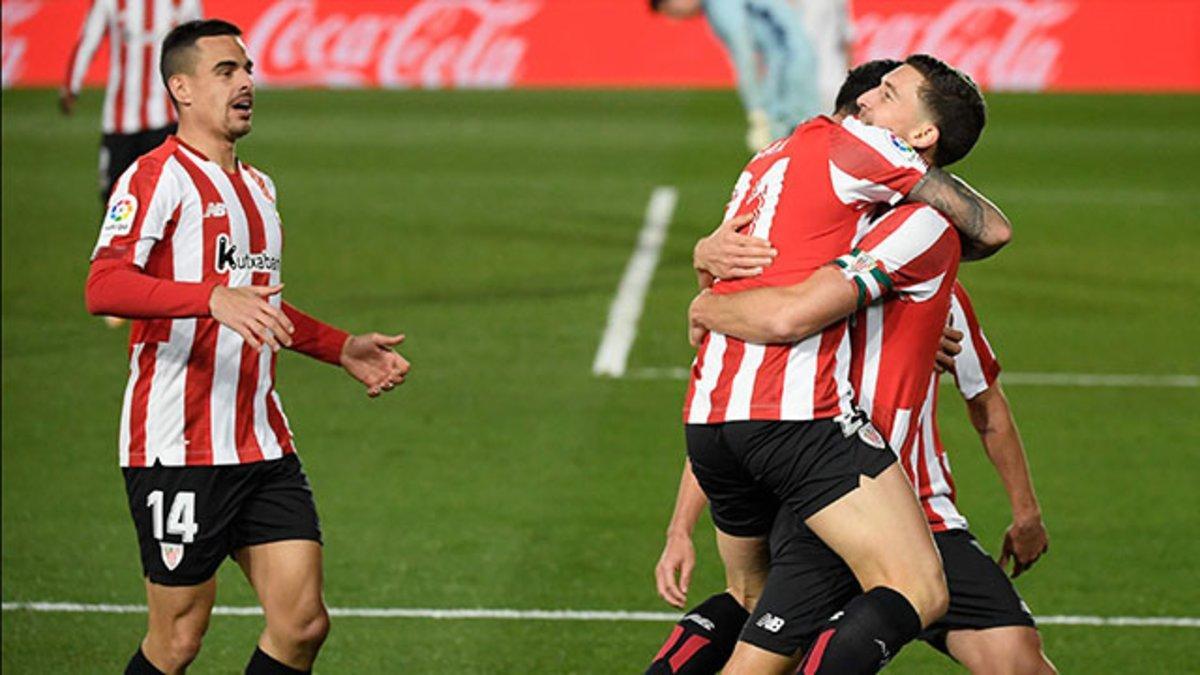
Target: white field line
<point>543,614</point>
<point>1030,379</point>
<point>626,308</point>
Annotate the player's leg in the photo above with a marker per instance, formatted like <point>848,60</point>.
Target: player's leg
<point>287,576</point>
<point>1008,650</point>
<point>178,620</point>
<point>881,533</point>
<point>841,480</point>
<point>807,584</point>
<point>278,545</point>
<point>702,640</point>
<point>182,516</point>
<point>988,628</point>
<point>746,566</point>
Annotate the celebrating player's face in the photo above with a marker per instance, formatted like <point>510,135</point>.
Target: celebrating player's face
<point>896,106</point>
<point>221,87</point>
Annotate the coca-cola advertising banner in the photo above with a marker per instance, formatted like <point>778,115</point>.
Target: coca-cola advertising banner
<point>1059,45</point>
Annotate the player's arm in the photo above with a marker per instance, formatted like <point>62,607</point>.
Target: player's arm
<point>673,573</point>
<point>984,227</point>
<point>1026,538</point>
<point>370,358</point>
<point>781,314</point>
<point>81,57</point>
<point>728,253</point>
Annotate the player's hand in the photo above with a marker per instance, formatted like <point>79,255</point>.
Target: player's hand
<point>673,573</point>
<point>246,311</point>
<point>696,329</point>
<point>371,359</point>
<point>66,102</point>
<point>1025,541</point>
<point>729,254</point>
<point>951,347</point>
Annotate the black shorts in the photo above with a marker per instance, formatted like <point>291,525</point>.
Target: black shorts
<point>749,469</point>
<point>189,518</point>
<point>118,151</point>
<point>981,594</point>
<point>808,583</point>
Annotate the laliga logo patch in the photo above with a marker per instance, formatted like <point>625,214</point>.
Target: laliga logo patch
<point>119,219</point>
<point>172,554</point>
<point>900,145</point>
<point>871,437</point>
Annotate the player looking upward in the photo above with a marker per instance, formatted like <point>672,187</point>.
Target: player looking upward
<point>191,248</point>
<point>138,114</point>
<point>775,423</point>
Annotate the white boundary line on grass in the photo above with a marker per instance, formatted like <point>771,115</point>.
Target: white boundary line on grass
<point>626,308</point>
<point>543,614</point>
<point>1031,379</point>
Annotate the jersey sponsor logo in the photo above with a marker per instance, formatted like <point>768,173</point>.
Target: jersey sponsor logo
<point>121,212</point>
<point>215,210</point>
<point>700,620</point>
<point>771,623</point>
<point>172,554</point>
<point>228,258</point>
<point>904,148</point>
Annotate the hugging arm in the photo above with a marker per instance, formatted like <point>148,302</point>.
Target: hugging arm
<point>984,228</point>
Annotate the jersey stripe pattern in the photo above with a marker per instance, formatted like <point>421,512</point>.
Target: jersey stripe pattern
<point>976,369</point>
<point>909,260</point>
<point>135,99</point>
<point>197,395</point>
<point>808,194</point>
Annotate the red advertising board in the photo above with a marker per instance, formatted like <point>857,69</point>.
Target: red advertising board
<point>1061,45</point>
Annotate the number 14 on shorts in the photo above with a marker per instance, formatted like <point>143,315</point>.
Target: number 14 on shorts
<point>180,520</point>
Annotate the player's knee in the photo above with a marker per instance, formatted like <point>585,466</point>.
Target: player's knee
<point>310,632</point>
<point>183,648</point>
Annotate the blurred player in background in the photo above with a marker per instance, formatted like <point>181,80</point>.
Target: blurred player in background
<point>137,113</point>
<point>769,46</point>
<point>831,32</point>
<point>191,248</point>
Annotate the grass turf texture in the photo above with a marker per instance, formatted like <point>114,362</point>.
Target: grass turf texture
<point>492,227</point>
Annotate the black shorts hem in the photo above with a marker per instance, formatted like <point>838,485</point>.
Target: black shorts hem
<point>761,641</point>
<point>277,536</point>
<point>176,581</point>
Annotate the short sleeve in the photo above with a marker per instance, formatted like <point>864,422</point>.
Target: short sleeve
<point>143,202</point>
<point>871,164</point>
<point>908,251</point>
<point>976,367</point>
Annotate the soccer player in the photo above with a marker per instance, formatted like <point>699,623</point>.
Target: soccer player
<point>988,628</point>
<point>138,115</point>
<point>775,423</point>
<point>190,248</point>
<point>830,32</point>
<point>768,44</point>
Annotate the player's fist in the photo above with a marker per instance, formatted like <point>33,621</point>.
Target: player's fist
<point>247,311</point>
<point>950,347</point>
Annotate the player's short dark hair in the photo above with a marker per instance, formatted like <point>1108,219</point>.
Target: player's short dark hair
<point>956,104</point>
<point>655,4</point>
<point>177,46</point>
<point>860,80</point>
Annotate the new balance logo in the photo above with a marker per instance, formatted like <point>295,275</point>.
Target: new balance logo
<point>770,622</point>
<point>215,210</point>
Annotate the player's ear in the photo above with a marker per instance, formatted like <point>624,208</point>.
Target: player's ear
<point>925,136</point>
<point>180,89</point>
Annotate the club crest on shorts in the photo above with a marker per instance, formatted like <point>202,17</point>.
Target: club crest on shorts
<point>871,436</point>
<point>172,554</point>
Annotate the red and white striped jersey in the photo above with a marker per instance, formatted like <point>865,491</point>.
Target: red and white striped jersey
<point>913,252</point>
<point>197,394</point>
<point>975,370</point>
<point>808,194</point>
<point>135,98</point>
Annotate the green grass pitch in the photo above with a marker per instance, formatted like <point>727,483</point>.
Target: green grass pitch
<point>492,227</point>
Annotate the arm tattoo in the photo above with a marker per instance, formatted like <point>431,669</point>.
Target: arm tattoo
<point>983,227</point>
